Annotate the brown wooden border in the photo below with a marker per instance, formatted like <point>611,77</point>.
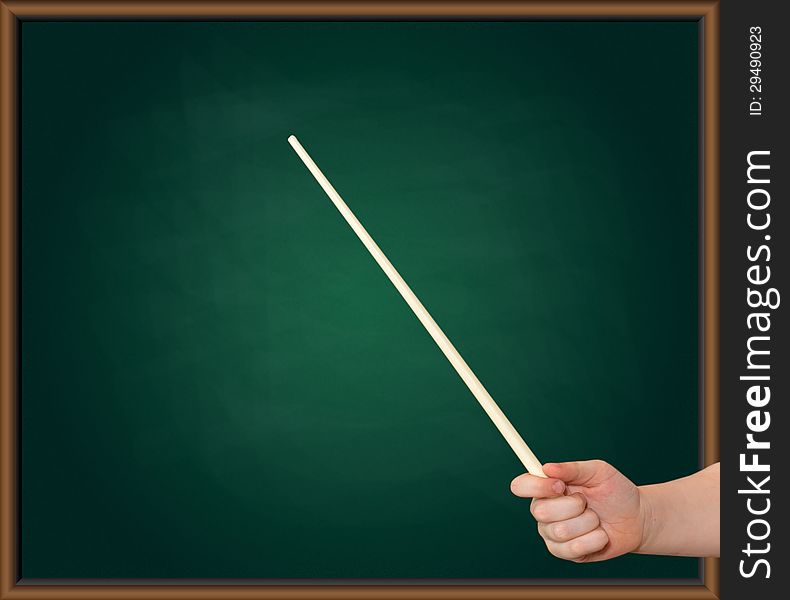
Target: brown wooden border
<point>12,11</point>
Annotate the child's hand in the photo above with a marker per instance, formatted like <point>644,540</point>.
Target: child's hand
<point>602,516</point>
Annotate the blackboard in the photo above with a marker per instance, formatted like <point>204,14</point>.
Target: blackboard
<point>216,381</point>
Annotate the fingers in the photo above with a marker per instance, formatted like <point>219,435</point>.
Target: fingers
<point>549,510</point>
<point>578,548</point>
<point>584,472</point>
<point>530,486</point>
<point>564,531</point>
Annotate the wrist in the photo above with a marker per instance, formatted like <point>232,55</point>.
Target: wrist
<point>649,509</point>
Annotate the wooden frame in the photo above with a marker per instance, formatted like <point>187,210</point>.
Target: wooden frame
<point>13,11</point>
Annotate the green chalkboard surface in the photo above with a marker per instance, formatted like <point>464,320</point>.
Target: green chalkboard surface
<point>217,381</point>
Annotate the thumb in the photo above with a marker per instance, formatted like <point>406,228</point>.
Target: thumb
<point>584,472</point>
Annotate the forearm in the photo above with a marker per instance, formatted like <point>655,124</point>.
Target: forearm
<point>681,517</point>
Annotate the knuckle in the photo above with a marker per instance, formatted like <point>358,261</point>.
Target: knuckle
<point>554,551</point>
<point>603,467</point>
<point>577,548</point>
<point>581,559</point>
<point>560,531</point>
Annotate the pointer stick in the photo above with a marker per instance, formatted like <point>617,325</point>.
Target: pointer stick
<point>502,423</point>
